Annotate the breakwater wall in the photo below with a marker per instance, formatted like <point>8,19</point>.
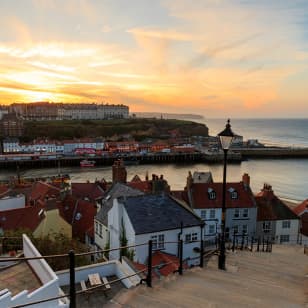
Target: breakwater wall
<point>273,152</point>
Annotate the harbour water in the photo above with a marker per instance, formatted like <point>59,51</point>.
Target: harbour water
<point>288,177</point>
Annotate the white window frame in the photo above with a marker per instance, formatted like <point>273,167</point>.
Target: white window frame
<point>212,214</point>
<point>194,237</point>
<point>267,226</point>
<point>100,233</point>
<point>187,238</point>
<point>212,195</point>
<point>245,229</point>
<point>158,241</point>
<point>236,229</point>
<point>211,229</point>
<point>203,214</point>
<point>191,237</point>
<point>236,213</point>
<point>286,224</point>
<point>234,194</point>
<point>284,238</point>
<point>245,213</point>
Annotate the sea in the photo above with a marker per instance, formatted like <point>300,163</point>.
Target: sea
<point>288,177</point>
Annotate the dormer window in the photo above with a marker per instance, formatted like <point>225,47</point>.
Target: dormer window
<point>233,193</point>
<point>211,194</point>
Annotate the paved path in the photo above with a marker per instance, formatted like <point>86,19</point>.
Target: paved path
<point>277,279</point>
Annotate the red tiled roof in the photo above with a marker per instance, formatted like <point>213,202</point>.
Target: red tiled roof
<point>79,214</point>
<point>136,178</point>
<point>271,207</point>
<point>300,209</point>
<point>160,258</point>
<point>179,194</point>
<point>93,191</point>
<point>201,198</point>
<point>4,189</point>
<point>22,218</point>
<point>144,186</point>
<point>40,190</point>
<point>304,224</point>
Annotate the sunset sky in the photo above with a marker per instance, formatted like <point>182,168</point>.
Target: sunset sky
<point>216,58</point>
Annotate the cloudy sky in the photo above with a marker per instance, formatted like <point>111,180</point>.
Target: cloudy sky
<point>237,58</point>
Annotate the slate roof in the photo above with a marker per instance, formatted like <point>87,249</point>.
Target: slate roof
<point>117,190</point>
<point>270,207</point>
<point>201,199</point>
<point>154,213</point>
<point>202,177</point>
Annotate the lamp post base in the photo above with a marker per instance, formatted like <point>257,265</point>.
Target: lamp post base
<point>222,262</point>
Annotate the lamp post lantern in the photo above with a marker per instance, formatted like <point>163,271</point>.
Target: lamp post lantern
<point>225,137</point>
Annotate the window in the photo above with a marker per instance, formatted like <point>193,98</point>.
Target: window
<point>158,241</point>
<point>187,238</point>
<point>96,227</point>
<point>211,229</point>
<point>234,195</point>
<point>203,214</point>
<point>191,237</point>
<point>245,213</point>
<point>235,229</point>
<point>100,231</point>
<point>286,224</point>
<point>194,237</point>
<point>267,226</point>
<point>284,238</point>
<point>236,213</point>
<point>212,214</point>
<point>245,229</point>
<point>211,194</point>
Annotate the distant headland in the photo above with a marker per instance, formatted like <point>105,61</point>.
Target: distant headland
<point>180,116</point>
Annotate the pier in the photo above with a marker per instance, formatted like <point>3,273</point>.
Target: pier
<point>206,156</point>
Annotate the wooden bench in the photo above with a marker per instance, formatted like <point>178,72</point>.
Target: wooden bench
<point>106,283</point>
<point>83,285</point>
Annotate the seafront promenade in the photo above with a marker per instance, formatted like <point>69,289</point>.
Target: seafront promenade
<point>206,156</point>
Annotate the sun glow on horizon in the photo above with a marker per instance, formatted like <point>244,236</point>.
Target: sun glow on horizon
<point>215,58</point>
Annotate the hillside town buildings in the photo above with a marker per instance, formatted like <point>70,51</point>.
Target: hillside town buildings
<point>46,111</point>
<point>103,215</point>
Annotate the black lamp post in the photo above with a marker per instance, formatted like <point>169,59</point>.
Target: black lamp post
<point>225,138</point>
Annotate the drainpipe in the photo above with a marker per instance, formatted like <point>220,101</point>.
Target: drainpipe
<point>179,238</point>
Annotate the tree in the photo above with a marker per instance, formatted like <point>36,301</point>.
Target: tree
<point>129,253</point>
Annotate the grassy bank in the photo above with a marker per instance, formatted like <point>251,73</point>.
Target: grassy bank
<point>138,128</point>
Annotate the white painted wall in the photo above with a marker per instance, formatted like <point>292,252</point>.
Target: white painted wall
<point>141,252</point>
<point>49,289</point>
<point>10,203</point>
<point>115,216</point>
<point>114,226</point>
<point>292,231</point>
<point>109,268</point>
<point>100,240</point>
<point>210,221</point>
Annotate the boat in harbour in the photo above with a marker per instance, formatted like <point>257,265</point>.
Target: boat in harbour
<point>87,163</point>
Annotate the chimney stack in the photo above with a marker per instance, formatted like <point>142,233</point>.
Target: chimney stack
<point>246,179</point>
<point>119,174</point>
<point>267,191</point>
